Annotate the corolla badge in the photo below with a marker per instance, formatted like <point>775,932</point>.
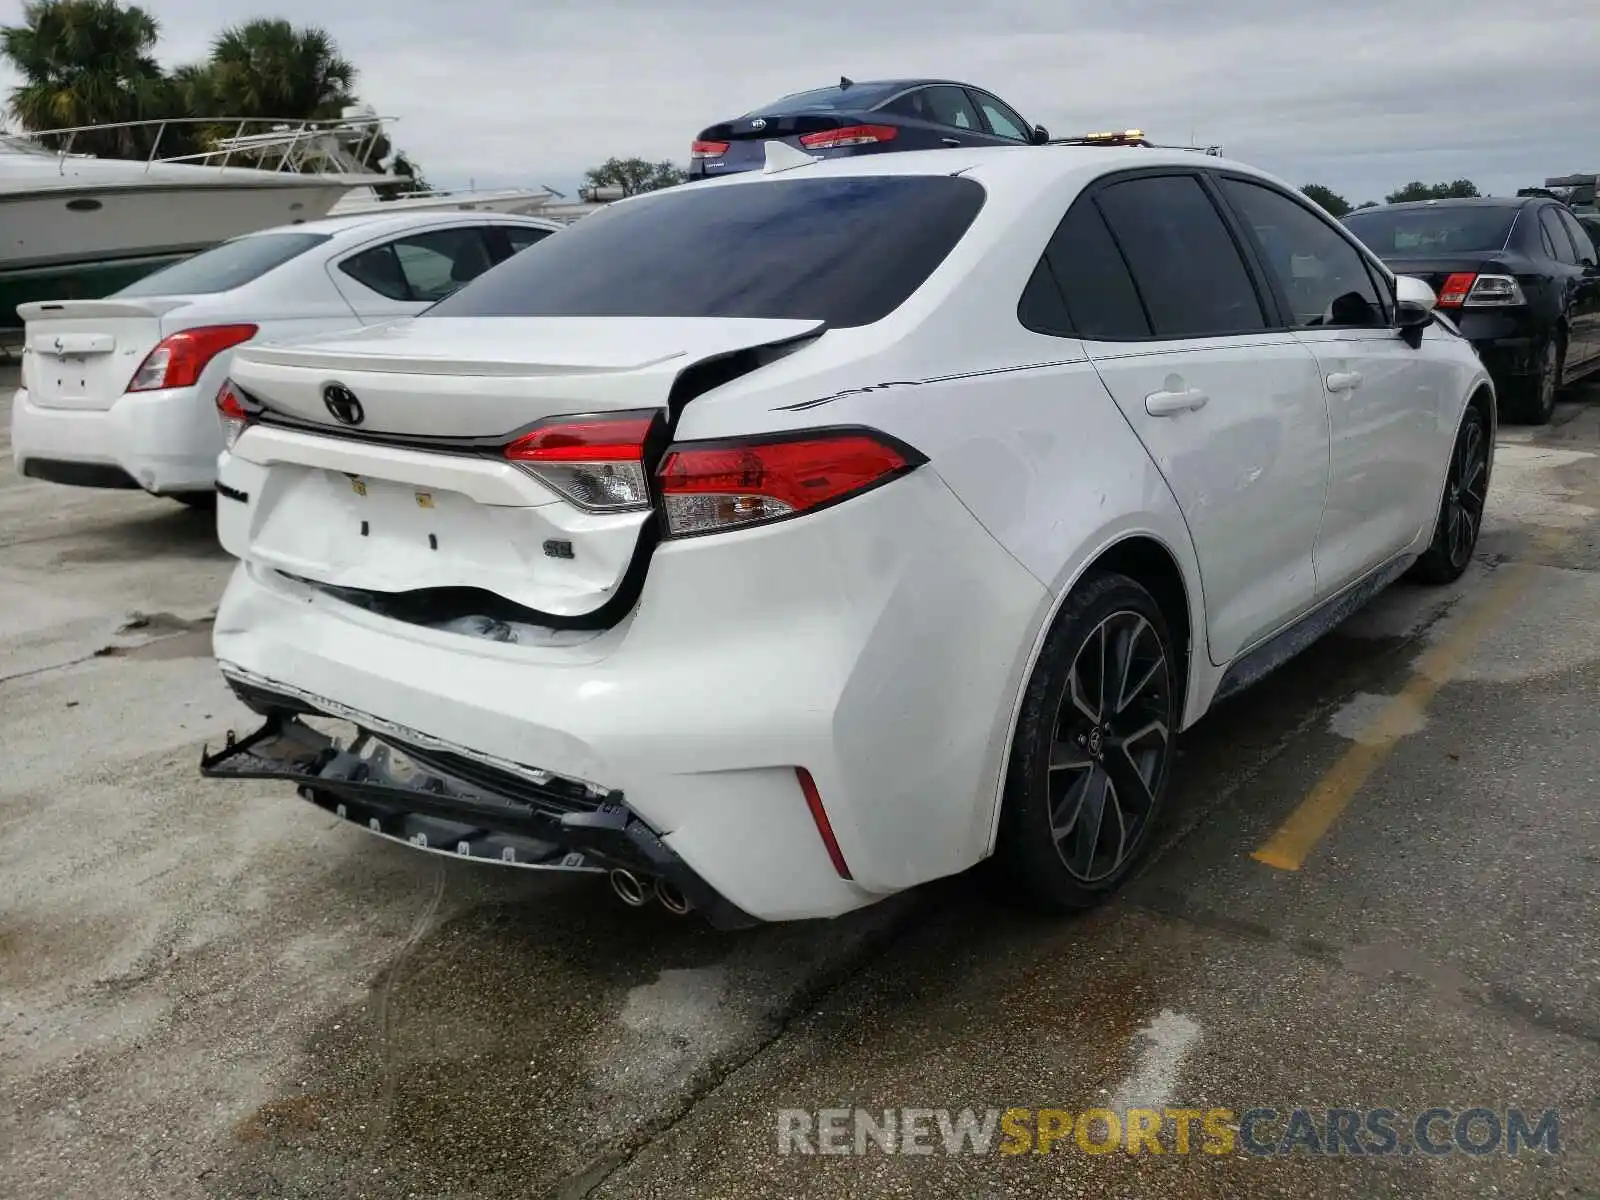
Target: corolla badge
<point>342,403</point>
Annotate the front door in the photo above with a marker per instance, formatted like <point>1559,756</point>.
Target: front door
<point>1384,404</point>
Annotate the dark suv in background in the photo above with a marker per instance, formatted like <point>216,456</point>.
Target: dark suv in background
<point>1519,277</point>
<point>863,118</point>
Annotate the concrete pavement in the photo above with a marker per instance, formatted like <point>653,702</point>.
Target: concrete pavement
<point>214,991</point>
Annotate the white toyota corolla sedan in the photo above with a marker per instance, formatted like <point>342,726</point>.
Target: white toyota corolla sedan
<point>777,543</point>
<point>119,393</point>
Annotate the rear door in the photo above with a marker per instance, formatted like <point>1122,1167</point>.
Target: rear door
<point>399,277</point>
<point>1385,399</point>
<point>1585,311</point>
<point>1229,407</point>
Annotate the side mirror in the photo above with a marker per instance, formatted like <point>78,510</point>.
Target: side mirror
<point>1414,302</point>
<point>1041,135</point>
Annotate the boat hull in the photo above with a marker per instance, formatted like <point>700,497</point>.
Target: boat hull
<point>85,242</point>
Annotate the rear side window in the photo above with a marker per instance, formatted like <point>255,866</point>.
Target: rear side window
<point>1094,295</point>
<point>1558,236</point>
<point>1184,262</point>
<point>847,251</point>
<point>1580,237</point>
<point>222,268</point>
<point>422,268</point>
<point>523,236</point>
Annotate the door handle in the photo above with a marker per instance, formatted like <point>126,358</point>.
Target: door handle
<point>951,141</point>
<point>1166,404</point>
<point>1344,381</point>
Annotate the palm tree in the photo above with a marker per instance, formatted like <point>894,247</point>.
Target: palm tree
<point>268,68</point>
<point>86,62</point>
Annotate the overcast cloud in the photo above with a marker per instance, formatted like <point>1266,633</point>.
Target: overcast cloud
<point>1361,95</point>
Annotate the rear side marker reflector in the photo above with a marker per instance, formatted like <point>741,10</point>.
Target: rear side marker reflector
<point>596,462</point>
<point>714,486</point>
<point>819,814</point>
<point>850,135</point>
<point>179,360</point>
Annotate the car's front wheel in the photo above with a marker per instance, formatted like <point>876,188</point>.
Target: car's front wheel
<point>1093,747</point>
<point>1455,533</point>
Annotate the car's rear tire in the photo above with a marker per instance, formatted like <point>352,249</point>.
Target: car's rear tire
<point>1093,747</point>
<point>1455,532</point>
<point>1533,401</point>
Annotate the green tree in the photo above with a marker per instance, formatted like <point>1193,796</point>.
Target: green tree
<point>1335,204</point>
<point>268,68</point>
<point>86,62</point>
<point>1417,190</point>
<point>634,175</point>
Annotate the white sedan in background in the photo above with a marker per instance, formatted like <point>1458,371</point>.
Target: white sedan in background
<point>120,392</point>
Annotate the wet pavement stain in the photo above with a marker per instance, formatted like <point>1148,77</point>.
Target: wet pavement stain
<point>495,1057</point>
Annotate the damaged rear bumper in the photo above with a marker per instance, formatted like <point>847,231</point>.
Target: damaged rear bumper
<point>436,800</point>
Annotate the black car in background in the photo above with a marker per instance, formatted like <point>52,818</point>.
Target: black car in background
<point>1518,275</point>
<point>863,118</point>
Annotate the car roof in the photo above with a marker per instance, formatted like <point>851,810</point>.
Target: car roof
<point>1455,202</point>
<point>994,166</point>
<point>368,224</point>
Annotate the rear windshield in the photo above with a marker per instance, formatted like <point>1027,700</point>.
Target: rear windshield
<point>847,251</point>
<point>858,96</point>
<point>230,265</point>
<point>1436,230</point>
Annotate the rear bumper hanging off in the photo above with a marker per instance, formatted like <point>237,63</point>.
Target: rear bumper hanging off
<point>441,803</point>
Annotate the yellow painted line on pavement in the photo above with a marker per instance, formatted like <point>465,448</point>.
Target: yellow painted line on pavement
<point>1289,847</point>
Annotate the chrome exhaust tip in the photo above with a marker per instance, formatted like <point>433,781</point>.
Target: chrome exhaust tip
<point>630,889</point>
<point>672,898</point>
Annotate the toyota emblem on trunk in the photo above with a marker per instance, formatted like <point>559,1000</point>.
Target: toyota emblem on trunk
<point>342,403</point>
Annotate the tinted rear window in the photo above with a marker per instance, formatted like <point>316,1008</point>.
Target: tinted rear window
<point>849,99</point>
<point>1436,230</point>
<point>847,251</point>
<point>230,265</point>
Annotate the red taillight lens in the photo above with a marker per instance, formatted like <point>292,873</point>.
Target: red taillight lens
<point>234,411</point>
<point>850,135</point>
<point>700,149</point>
<point>1456,288</point>
<point>819,815</point>
<point>597,462</point>
<point>178,360</point>
<point>725,485</point>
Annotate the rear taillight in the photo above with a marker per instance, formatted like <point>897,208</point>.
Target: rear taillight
<point>702,149</point>
<point>1468,289</point>
<point>234,411</point>
<point>1495,291</point>
<point>721,485</point>
<point>850,135</point>
<point>597,462</point>
<point>178,360</point>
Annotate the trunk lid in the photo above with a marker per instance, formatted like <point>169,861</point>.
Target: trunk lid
<point>414,511</point>
<point>746,144</point>
<point>83,353</point>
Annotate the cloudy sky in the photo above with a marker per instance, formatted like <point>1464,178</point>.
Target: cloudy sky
<point>1361,95</point>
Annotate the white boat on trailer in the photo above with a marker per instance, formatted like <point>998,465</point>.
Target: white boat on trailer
<point>74,226</point>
